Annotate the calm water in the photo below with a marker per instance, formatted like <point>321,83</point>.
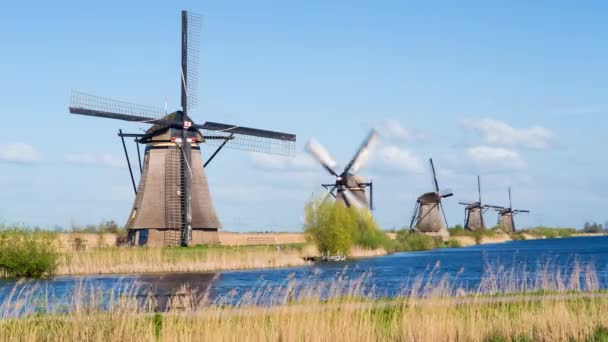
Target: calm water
<point>494,267</point>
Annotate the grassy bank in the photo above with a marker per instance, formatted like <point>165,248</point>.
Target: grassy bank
<point>176,259</point>
<point>555,316</point>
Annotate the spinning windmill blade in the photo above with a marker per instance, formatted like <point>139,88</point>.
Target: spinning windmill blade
<point>352,200</point>
<point>362,155</point>
<point>322,156</point>
<point>350,187</point>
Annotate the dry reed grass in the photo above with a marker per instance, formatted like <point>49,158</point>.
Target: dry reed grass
<point>154,260</point>
<point>433,314</point>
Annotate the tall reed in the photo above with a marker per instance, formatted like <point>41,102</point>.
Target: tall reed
<point>433,310</point>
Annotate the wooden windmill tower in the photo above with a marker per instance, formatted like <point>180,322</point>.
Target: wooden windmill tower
<point>429,216</point>
<point>505,216</point>
<point>348,188</point>
<point>473,211</point>
<point>173,204</point>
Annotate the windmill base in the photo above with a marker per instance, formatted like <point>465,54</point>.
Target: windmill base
<point>160,237</point>
<point>444,234</point>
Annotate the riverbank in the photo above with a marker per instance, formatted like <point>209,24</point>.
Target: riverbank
<point>572,316</point>
<point>125,260</point>
<point>501,237</point>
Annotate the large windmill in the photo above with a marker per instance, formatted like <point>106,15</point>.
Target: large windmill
<point>348,187</point>
<point>473,211</point>
<point>429,216</point>
<point>505,216</point>
<point>173,204</point>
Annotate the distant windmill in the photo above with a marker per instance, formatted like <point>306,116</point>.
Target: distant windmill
<point>173,203</point>
<point>505,216</point>
<point>429,216</point>
<point>348,187</point>
<point>473,211</point>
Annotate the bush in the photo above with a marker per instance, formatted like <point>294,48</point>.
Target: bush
<point>334,228</point>
<point>413,241</point>
<point>25,253</point>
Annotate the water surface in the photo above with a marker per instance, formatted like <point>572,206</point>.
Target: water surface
<point>493,267</point>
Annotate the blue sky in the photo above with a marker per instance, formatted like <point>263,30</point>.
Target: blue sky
<point>512,90</point>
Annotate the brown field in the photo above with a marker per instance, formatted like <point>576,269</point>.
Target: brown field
<point>93,240</point>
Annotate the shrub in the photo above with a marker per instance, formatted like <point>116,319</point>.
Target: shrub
<point>413,241</point>
<point>453,243</point>
<point>25,253</point>
<point>334,228</point>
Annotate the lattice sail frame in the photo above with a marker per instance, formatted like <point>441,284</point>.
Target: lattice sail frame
<point>87,101</point>
<point>193,48</point>
<point>252,143</point>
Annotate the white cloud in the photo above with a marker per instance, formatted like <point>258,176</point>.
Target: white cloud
<point>495,157</point>
<point>393,130</point>
<point>95,159</point>
<point>301,162</point>
<point>396,158</point>
<point>19,153</point>
<point>496,132</point>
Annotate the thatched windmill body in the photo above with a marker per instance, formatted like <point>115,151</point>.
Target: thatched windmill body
<point>505,216</point>
<point>429,216</point>
<point>473,211</point>
<point>173,204</point>
<point>348,187</point>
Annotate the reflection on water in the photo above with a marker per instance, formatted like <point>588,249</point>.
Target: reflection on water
<point>174,290</point>
<point>577,263</point>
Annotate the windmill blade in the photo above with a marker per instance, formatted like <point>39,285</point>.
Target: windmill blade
<point>352,199</point>
<point>91,105</point>
<point>248,139</point>
<point>479,188</point>
<point>510,204</point>
<point>260,133</point>
<point>322,156</point>
<point>191,40</point>
<point>434,175</point>
<point>362,154</point>
<point>465,203</point>
<point>493,206</point>
<point>446,193</point>
<point>521,211</point>
<point>445,219</point>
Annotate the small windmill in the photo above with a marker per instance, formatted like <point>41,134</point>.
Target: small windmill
<point>473,211</point>
<point>429,216</point>
<point>348,188</point>
<point>173,203</point>
<point>505,216</point>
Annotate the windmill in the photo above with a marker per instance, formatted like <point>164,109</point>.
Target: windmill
<point>429,216</point>
<point>348,187</point>
<point>473,211</point>
<point>505,216</point>
<point>173,204</point>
